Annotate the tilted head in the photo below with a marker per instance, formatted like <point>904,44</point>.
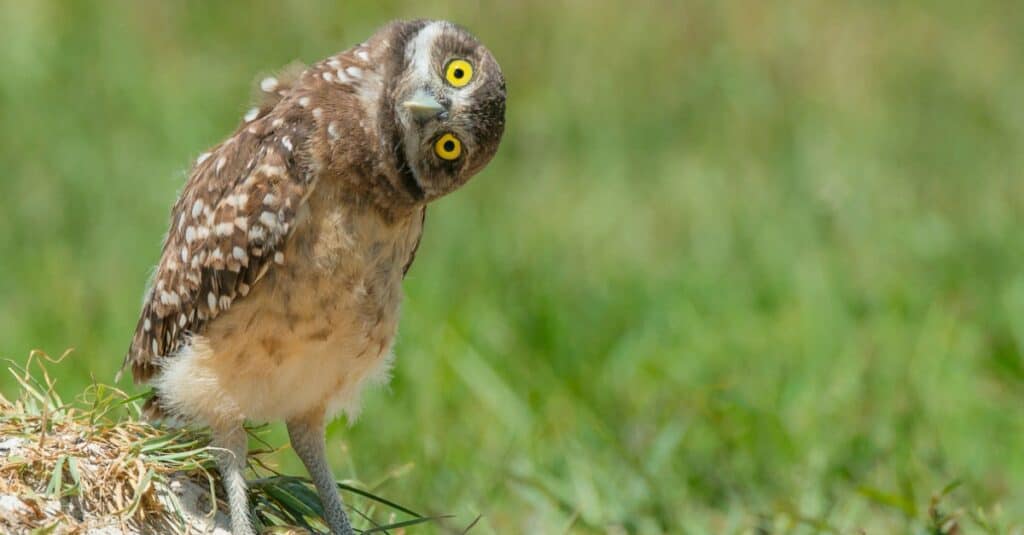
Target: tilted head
<point>445,101</point>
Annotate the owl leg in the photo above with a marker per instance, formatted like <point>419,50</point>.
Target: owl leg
<point>233,447</point>
<point>307,438</point>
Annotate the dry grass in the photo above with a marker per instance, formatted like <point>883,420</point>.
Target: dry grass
<point>91,464</point>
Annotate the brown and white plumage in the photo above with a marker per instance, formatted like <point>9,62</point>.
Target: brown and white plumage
<point>228,228</point>
<point>278,288</point>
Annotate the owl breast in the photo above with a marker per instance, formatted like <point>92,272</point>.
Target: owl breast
<point>312,333</point>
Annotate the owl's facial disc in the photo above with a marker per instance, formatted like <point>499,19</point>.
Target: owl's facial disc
<point>450,105</point>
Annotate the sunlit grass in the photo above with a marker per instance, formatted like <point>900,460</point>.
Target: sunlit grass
<point>737,265</point>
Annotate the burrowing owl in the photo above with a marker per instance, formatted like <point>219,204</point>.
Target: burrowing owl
<point>278,288</point>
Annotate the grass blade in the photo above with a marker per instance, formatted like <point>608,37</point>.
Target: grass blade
<point>406,523</point>
<point>56,478</point>
<point>378,499</point>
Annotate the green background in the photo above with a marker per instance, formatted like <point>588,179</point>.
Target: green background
<point>738,265</point>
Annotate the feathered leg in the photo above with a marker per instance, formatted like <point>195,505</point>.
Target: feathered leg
<point>307,437</point>
<point>234,446</point>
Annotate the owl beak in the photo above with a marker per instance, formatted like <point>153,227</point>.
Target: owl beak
<point>424,106</point>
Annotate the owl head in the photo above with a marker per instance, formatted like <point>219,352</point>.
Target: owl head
<point>445,98</point>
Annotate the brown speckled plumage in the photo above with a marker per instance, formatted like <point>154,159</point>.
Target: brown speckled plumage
<point>278,288</point>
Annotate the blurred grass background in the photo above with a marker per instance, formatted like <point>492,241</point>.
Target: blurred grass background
<point>738,265</point>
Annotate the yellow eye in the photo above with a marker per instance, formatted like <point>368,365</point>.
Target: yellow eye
<point>448,147</point>
<point>458,72</point>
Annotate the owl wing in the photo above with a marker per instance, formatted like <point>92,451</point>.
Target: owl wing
<point>228,228</point>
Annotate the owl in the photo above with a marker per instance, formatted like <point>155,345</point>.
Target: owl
<point>278,288</point>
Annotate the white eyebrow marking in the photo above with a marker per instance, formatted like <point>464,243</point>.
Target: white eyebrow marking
<point>418,49</point>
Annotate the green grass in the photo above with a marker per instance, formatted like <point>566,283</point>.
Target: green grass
<point>738,265</point>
